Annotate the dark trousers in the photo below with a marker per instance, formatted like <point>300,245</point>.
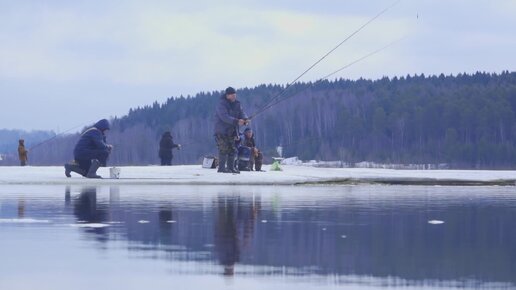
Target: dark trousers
<point>227,150</point>
<point>256,161</point>
<point>166,161</point>
<point>84,161</point>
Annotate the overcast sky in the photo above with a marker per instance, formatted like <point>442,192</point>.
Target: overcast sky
<point>67,63</point>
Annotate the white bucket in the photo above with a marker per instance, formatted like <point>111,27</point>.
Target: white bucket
<point>114,172</point>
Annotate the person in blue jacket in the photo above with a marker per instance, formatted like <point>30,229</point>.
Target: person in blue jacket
<point>91,151</point>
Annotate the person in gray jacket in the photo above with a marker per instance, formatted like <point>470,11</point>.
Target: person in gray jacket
<point>229,115</point>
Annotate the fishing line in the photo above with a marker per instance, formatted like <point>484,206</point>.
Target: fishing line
<point>337,71</point>
<point>322,58</point>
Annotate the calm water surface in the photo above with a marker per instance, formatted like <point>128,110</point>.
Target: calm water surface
<point>188,237</point>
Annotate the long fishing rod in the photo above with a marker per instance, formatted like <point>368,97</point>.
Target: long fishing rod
<point>324,56</point>
<point>54,137</point>
<point>335,72</point>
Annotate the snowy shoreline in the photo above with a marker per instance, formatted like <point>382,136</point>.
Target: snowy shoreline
<point>291,175</point>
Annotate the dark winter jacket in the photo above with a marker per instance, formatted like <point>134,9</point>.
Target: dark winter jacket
<point>22,152</point>
<point>227,115</point>
<point>249,142</point>
<point>91,140</point>
<point>166,144</point>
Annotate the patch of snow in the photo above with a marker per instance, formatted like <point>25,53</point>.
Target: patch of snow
<point>23,221</point>
<point>90,225</point>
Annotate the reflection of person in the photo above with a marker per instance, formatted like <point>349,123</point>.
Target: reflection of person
<point>91,151</point>
<point>228,116</point>
<point>86,210</point>
<point>22,152</point>
<point>166,144</point>
<point>21,208</point>
<point>226,239</point>
<point>234,229</point>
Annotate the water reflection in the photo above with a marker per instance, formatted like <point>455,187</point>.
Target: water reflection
<point>234,229</point>
<point>368,235</point>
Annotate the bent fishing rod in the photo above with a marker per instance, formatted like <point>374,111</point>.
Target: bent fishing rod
<point>259,111</point>
<point>331,74</point>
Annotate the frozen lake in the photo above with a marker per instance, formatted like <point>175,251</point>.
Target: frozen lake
<point>256,237</point>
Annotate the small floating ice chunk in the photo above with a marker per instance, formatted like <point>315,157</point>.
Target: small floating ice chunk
<point>323,229</point>
<point>115,222</point>
<point>171,221</point>
<point>435,222</point>
<point>23,221</point>
<point>143,222</point>
<point>343,236</point>
<point>90,225</point>
<point>264,221</point>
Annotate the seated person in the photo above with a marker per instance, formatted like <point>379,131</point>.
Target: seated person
<point>255,157</point>
<point>91,151</point>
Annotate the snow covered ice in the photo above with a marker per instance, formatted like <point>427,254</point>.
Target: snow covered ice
<point>291,175</point>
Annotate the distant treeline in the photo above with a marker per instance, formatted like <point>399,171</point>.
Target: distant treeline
<point>467,121</point>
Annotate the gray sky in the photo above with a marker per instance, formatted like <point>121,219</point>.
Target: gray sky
<point>68,63</point>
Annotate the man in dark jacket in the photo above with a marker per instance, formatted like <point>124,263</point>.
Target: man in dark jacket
<point>228,116</point>
<point>256,158</point>
<point>166,144</point>
<point>91,151</point>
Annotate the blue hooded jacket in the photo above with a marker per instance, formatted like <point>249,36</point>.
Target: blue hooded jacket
<point>227,115</point>
<point>92,140</point>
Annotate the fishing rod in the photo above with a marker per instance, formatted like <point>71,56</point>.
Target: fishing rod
<point>335,72</point>
<point>55,136</point>
<point>323,57</point>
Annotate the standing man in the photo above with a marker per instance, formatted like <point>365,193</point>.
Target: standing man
<point>166,144</point>
<point>228,117</point>
<point>22,152</point>
<point>91,151</point>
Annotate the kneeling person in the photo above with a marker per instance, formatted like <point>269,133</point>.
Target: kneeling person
<point>91,151</point>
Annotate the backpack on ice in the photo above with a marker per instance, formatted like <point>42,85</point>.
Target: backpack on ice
<point>210,162</point>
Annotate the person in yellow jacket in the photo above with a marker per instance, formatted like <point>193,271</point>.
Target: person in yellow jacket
<point>22,152</point>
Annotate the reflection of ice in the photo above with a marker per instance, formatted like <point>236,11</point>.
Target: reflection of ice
<point>90,225</point>
<point>23,221</point>
<point>435,222</point>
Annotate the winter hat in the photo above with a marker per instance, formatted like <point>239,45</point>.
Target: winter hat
<point>230,91</point>
<point>102,125</point>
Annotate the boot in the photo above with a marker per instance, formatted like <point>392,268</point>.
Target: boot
<point>92,172</point>
<point>69,167</point>
<point>231,165</point>
<point>258,166</point>
<point>222,164</point>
